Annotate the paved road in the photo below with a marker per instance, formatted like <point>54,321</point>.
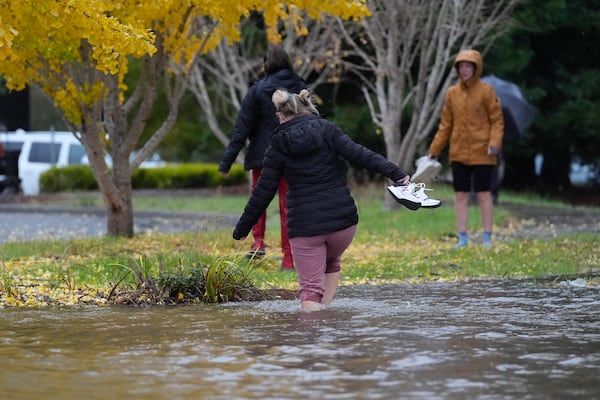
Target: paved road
<point>24,222</point>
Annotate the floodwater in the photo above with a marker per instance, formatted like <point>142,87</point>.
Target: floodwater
<point>478,340</point>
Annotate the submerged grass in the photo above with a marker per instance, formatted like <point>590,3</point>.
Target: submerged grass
<point>390,246</point>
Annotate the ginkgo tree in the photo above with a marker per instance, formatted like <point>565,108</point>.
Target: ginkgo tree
<point>77,52</point>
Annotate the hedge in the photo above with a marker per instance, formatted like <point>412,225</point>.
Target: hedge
<point>171,176</point>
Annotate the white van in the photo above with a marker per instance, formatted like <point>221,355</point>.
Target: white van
<point>41,151</point>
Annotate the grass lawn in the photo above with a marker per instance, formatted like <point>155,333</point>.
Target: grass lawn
<point>390,246</point>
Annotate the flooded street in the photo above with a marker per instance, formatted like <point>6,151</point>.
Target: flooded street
<point>479,340</point>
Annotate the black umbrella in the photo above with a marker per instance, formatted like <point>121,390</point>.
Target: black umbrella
<point>518,114</point>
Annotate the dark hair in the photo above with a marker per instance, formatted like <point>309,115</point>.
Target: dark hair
<point>276,59</point>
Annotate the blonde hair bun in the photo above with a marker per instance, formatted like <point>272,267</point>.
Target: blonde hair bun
<point>292,104</point>
<point>305,96</point>
<point>279,98</point>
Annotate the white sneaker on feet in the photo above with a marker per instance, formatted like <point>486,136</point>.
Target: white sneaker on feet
<point>419,192</point>
<point>405,195</point>
<point>427,169</point>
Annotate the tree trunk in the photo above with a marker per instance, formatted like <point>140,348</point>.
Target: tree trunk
<point>119,212</point>
<point>115,185</point>
<point>114,181</point>
<point>119,133</point>
<point>392,144</point>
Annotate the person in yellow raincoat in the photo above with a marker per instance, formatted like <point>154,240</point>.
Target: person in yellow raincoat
<point>473,124</point>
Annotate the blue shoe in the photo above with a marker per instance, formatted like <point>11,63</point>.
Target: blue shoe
<point>462,240</point>
<point>487,239</point>
<point>460,244</point>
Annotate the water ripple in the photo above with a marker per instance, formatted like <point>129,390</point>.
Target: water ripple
<point>475,340</point>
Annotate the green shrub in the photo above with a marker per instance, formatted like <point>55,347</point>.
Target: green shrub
<point>183,176</point>
<point>174,176</point>
<point>70,178</point>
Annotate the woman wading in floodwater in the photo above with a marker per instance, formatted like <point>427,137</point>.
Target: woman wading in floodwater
<point>322,215</point>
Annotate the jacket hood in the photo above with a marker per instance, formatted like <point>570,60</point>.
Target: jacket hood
<point>474,57</point>
<point>300,136</point>
<point>284,78</point>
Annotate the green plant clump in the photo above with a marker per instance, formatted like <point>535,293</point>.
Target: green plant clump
<point>164,280</point>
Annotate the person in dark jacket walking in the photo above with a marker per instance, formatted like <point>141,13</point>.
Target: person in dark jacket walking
<point>322,216</point>
<point>255,123</point>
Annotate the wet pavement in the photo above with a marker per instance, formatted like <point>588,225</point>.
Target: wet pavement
<point>24,220</point>
<point>20,222</point>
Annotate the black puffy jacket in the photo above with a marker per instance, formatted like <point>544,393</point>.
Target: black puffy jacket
<point>305,150</point>
<point>256,119</point>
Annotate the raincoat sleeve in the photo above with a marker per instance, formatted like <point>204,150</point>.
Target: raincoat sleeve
<point>444,129</point>
<point>496,118</point>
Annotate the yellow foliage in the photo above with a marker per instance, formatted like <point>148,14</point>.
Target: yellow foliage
<point>55,44</point>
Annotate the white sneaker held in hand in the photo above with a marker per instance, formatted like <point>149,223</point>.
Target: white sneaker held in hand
<point>427,169</point>
<point>404,194</point>
<point>419,192</point>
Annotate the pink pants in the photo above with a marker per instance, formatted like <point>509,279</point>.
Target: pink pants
<point>258,230</point>
<point>316,256</point>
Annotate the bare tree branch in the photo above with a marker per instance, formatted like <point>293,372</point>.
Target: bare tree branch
<point>407,47</point>
<point>220,79</point>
